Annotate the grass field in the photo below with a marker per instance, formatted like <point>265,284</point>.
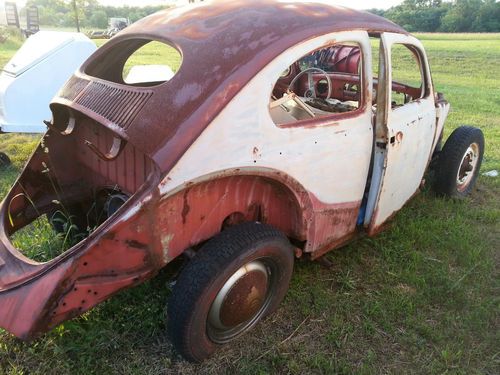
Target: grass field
<point>422,297</point>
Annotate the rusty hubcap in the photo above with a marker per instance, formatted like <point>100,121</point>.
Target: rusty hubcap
<point>241,301</point>
<point>468,166</point>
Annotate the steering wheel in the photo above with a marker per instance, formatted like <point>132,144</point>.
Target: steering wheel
<point>311,91</point>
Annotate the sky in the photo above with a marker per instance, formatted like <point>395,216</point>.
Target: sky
<point>357,4</point>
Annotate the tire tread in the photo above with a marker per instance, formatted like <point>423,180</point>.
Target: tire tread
<point>210,259</point>
<point>451,157</point>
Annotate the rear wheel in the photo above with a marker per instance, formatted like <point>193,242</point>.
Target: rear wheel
<point>459,162</point>
<point>235,280</point>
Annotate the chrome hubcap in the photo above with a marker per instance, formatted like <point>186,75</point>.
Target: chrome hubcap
<point>467,166</point>
<point>241,301</point>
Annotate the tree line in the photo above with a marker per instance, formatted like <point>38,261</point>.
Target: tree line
<point>438,15</point>
<point>91,14</point>
<point>413,15</point>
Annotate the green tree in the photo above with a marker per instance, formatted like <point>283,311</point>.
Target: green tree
<point>58,6</point>
<point>67,20</point>
<point>488,17</point>
<point>90,12</point>
<point>418,15</point>
<point>99,19</point>
<point>461,16</point>
<point>136,15</point>
<point>415,4</point>
<point>48,16</point>
<point>455,16</point>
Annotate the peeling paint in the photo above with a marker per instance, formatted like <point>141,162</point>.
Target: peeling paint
<point>165,243</point>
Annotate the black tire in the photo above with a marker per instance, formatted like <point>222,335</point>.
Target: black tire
<point>459,162</point>
<point>192,304</point>
<point>4,160</point>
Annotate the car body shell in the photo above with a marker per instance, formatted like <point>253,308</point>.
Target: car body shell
<point>202,152</point>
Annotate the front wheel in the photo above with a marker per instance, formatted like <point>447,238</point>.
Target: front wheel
<point>459,162</point>
<point>235,280</point>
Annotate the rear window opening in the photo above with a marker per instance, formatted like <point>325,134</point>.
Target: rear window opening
<point>137,62</point>
<point>68,190</point>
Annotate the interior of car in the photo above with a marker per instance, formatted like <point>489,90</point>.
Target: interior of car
<point>321,83</point>
<point>329,81</point>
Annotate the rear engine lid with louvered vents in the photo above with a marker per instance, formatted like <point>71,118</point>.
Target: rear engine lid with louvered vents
<point>118,105</point>
<point>72,88</point>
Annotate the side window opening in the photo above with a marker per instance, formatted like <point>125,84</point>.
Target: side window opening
<point>408,83</point>
<point>137,62</point>
<point>323,83</point>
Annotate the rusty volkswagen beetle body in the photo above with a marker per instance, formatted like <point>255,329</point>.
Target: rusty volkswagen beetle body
<point>275,139</point>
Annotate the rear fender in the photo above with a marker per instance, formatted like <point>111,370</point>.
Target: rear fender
<point>199,210</point>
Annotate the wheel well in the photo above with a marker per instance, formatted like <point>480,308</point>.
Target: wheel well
<point>202,210</point>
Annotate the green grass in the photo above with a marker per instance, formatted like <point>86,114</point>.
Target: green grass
<point>11,44</point>
<point>154,53</point>
<point>421,297</point>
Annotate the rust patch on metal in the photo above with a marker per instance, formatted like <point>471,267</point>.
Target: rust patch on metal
<point>185,207</point>
<point>136,244</point>
<point>244,299</point>
<point>224,201</point>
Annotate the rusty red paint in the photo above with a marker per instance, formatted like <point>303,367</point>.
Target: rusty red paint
<point>332,224</point>
<point>342,241</point>
<point>52,293</point>
<point>214,201</point>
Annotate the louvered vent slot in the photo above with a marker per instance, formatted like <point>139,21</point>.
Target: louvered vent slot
<point>73,87</point>
<point>118,105</point>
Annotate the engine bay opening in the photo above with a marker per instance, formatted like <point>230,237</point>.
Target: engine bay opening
<point>80,175</point>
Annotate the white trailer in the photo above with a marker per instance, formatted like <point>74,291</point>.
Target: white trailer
<point>34,75</point>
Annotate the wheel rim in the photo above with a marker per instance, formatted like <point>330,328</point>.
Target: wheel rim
<point>242,300</point>
<point>467,167</point>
